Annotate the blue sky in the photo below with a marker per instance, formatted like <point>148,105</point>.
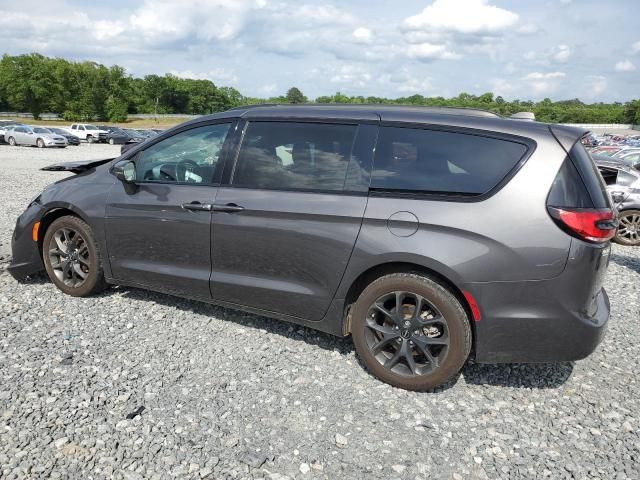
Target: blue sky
<point>559,49</point>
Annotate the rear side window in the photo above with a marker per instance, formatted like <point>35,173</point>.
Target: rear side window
<point>590,175</point>
<point>295,156</point>
<point>433,161</point>
<point>568,189</point>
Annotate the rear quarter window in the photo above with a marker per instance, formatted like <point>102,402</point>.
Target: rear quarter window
<point>442,162</point>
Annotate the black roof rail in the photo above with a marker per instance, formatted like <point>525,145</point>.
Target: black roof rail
<point>374,106</point>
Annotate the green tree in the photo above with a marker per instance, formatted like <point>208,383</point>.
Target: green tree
<point>294,95</point>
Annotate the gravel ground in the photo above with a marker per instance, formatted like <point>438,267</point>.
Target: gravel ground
<point>132,384</point>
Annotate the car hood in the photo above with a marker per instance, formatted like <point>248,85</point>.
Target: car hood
<point>75,167</point>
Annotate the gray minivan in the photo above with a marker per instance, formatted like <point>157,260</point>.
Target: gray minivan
<point>427,234</point>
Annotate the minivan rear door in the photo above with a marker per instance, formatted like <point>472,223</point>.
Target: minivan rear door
<point>285,223</point>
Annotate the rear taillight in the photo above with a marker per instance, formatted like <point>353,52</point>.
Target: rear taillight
<point>592,225</point>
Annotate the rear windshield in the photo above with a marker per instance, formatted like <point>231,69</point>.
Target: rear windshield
<point>591,177</point>
<point>442,162</point>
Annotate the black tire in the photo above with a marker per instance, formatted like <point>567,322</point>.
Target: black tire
<point>40,143</point>
<point>90,139</point>
<point>629,229</point>
<point>112,141</point>
<point>81,249</point>
<point>12,141</point>
<point>441,319</point>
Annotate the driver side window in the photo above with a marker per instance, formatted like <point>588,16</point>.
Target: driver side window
<point>186,157</point>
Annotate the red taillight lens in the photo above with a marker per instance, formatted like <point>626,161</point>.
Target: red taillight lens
<point>593,225</point>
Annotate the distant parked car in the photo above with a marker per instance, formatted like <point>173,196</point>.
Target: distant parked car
<point>107,128</point>
<point>623,183</point>
<point>71,139</point>
<point>37,136</point>
<point>88,132</point>
<point>606,150</point>
<point>121,136</point>
<point>4,127</point>
<point>147,133</point>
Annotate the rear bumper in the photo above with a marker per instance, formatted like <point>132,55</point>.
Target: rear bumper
<point>555,320</point>
<point>542,332</point>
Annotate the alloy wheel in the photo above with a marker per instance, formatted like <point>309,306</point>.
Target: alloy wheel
<point>629,228</point>
<point>69,257</point>
<point>406,334</point>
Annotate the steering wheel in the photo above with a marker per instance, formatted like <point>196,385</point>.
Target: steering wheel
<point>183,167</point>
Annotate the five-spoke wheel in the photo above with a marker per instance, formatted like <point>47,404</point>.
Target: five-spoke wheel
<point>71,257</point>
<point>410,331</point>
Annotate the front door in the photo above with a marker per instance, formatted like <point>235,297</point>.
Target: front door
<point>285,226</point>
<point>159,233</point>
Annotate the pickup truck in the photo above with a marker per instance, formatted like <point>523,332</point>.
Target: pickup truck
<point>88,132</point>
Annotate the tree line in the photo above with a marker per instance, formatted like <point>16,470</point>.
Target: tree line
<point>88,90</point>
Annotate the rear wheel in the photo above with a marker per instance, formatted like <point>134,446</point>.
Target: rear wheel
<point>629,229</point>
<point>40,143</point>
<point>71,257</point>
<point>12,141</point>
<point>410,331</point>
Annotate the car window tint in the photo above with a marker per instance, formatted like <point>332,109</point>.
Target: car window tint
<point>190,156</point>
<point>436,161</point>
<point>295,156</point>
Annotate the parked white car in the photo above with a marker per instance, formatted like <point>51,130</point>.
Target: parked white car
<point>88,132</point>
<point>37,136</point>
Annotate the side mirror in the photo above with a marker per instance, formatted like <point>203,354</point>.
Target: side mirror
<point>125,171</point>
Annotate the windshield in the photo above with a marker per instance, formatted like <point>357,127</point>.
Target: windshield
<point>131,131</point>
<point>58,131</point>
<point>42,130</point>
<point>90,127</point>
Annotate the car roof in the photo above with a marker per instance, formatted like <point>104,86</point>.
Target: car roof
<point>450,116</point>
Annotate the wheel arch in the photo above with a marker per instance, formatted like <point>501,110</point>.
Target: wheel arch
<point>374,272</point>
<point>51,215</point>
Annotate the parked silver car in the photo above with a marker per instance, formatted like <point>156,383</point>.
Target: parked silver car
<point>38,136</point>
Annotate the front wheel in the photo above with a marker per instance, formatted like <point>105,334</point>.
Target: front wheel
<point>410,331</point>
<point>90,139</point>
<point>71,257</point>
<point>40,143</point>
<point>629,229</point>
<point>112,141</point>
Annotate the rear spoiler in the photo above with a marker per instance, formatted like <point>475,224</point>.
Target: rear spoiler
<point>75,167</point>
<point>567,136</point>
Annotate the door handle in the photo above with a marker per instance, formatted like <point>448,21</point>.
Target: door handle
<point>229,208</point>
<point>197,206</point>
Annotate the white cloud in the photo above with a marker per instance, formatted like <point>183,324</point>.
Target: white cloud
<point>597,86</point>
<point>362,35</point>
<point>502,87</point>
<point>217,75</point>
<point>561,54</point>
<point>636,47</point>
<point>543,76</point>
<point>625,66</point>
<point>462,16</point>
<point>351,76</point>
<point>543,83</point>
<point>528,29</point>
<point>429,51</point>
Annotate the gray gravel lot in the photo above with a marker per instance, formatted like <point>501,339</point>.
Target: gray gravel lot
<point>233,395</point>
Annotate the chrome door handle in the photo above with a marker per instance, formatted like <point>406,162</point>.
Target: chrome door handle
<point>197,206</point>
<point>229,208</point>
